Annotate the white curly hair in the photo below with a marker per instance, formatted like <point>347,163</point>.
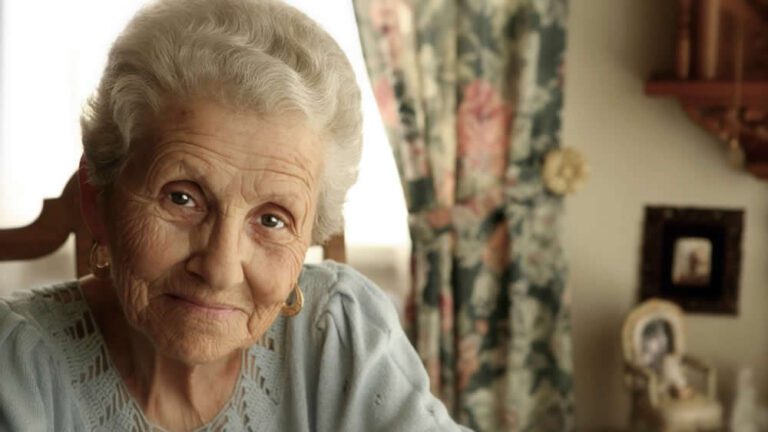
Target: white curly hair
<point>259,55</point>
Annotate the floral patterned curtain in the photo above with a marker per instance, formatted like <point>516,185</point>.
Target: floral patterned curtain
<point>471,92</point>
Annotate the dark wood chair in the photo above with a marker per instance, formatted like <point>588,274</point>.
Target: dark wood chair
<point>61,217</point>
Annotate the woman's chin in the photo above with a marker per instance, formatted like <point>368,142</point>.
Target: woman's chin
<point>197,357</point>
<point>195,339</point>
<point>195,350</point>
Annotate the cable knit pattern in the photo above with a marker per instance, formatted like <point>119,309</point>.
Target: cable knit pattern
<point>342,364</point>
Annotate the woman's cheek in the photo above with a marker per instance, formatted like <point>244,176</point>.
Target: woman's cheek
<point>273,272</point>
<point>146,248</point>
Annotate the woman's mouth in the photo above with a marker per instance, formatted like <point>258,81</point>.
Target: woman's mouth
<point>218,310</point>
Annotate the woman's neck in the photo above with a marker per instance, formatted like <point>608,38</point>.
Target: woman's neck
<point>171,393</point>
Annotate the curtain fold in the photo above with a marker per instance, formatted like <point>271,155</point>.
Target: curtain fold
<point>470,92</point>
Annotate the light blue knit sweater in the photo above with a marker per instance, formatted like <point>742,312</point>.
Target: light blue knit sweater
<point>342,364</point>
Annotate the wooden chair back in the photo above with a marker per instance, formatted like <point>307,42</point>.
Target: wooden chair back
<point>61,217</point>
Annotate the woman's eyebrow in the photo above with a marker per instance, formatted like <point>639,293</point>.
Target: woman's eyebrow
<point>170,163</point>
<point>296,203</point>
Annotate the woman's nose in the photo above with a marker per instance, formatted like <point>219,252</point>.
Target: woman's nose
<point>220,262</point>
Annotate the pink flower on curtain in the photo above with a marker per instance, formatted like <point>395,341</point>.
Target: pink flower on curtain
<point>482,127</point>
<point>387,17</point>
<point>385,99</point>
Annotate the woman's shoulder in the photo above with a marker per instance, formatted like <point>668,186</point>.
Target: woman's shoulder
<point>36,313</point>
<point>19,330</point>
<point>33,381</point>
<point>37,325</point>
<point>335,289</point>
<point>346,341</point>
<point>32,311</point>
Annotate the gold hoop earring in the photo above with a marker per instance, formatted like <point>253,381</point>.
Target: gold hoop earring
<point>294,308</point>
<point>99,261</point>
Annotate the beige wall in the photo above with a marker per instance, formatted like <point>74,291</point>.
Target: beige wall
<point>645,151</point>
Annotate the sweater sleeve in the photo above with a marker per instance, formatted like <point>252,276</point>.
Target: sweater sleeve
<point>366,354</point>
<point>29,382</point>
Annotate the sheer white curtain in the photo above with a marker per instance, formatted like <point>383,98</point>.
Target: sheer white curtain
<point>51,57</point>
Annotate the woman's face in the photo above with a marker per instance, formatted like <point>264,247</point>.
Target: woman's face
<point>209,224</point>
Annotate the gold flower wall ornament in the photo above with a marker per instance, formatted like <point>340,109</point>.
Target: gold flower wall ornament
<point>565,171</point>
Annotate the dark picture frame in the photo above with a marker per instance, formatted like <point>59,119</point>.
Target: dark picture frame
<point>692,256</point>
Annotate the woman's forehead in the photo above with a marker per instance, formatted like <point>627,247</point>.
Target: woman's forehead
<point>245,139</point>
<point>227,149</point>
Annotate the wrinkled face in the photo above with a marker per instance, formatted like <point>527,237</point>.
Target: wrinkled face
<point>209,224</point>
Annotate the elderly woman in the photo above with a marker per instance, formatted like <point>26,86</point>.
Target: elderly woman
<point>219,146</point>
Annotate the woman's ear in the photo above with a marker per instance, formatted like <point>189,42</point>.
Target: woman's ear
<point>90,205</point>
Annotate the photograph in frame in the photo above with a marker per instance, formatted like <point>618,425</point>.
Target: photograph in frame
<point>692,256</point>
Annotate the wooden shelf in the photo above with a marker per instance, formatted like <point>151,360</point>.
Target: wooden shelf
<point>720,75</point>
<point>711,93</point>
<point>710,104</point>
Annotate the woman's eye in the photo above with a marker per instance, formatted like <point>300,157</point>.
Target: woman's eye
<point>182,199</point>
<point>272,221</point>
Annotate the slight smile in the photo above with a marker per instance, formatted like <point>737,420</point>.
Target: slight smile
<point>197,305</point>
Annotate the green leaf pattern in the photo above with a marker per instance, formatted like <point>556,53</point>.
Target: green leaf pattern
<point>471,92</point>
